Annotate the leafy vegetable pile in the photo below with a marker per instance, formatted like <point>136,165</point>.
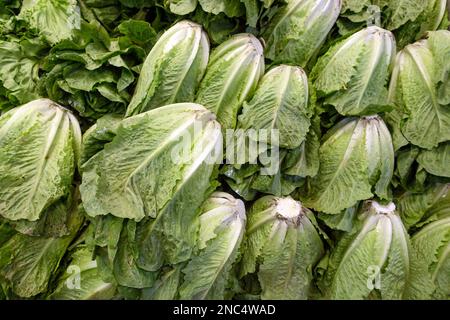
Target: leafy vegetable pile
<point>238,149</point>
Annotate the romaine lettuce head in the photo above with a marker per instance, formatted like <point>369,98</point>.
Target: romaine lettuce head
<point>432,246</point>
<point>146,165</point>
<point>209,273</point>
<point>158,169</point>
<point>420,89</point>
<point>39,148</point>
<point>173,69</point>
<point>373,260</point>
<point>356,160</point>
<point>282,246</point>
<point>280,102</point>
<point>352,76</point>
<point>298,29</point>
<point>232,75</point>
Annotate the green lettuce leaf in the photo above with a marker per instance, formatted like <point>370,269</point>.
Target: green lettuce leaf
<point>222,226</point>
<point>298,29</point>
<point>173,69</point>
<point>356,156</point>
<point>282,246</point>
<point>352,76</point>
<point>55,20</point>
<point>417,89</point>
<point>81,280</point>
<point>280,102</point>
<point>232,75</point>
<point>39,149</point>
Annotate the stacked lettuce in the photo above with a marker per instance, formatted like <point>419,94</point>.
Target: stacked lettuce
<point>209,149</point>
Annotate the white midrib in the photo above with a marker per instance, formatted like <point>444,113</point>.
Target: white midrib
<point>48,146</point>
<point>233,240</point>
<point>77,136</point>
<point>350,146</point>
<point>197,41</point>
<point>282,89</point>
<point>230,81</point>
<point>419,64</point>
<point>368,226</point>
<point>206,151</point>
<point>375,58</point>
<point>291,261</point>
<point>363,233</point>
<point>171,138</point>
<point>402,235</point>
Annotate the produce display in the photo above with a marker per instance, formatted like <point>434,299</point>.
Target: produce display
<point>224,149</point>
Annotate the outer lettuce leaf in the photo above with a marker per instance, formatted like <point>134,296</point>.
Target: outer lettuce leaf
<point>222,227</point>
<point>92,72</point>
<point>415,208</point>
<point>95,138</point>
<point>219,27</point>
<point>304,160</point>
<point>141,160</point>
<point>280,103</point>
<point>55,20</point>
<point>82,272</point>
<point>232,75</point>
<point>431,18</point>
<point>352,76</point>
<point>409,20</point>
<point>342,221</point>
<point>39,148</point>
<point>19,71</point>
<point>393,120</point>
<point>282,246</point>
<point>28,263</point>
<point>432,246</point>
<point>166,287</point>
<point>182,7</point>
<point>436,161</point>
<point>297,30</point>
<point>173,69</point>
<point>54,221</point>
<point>374,255</point>
<point>125,269</point>
<point>120,167</point>
<point>417,89</point>
<point>6,232</point>
<point>355,155</point>
<point>232,8</point>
